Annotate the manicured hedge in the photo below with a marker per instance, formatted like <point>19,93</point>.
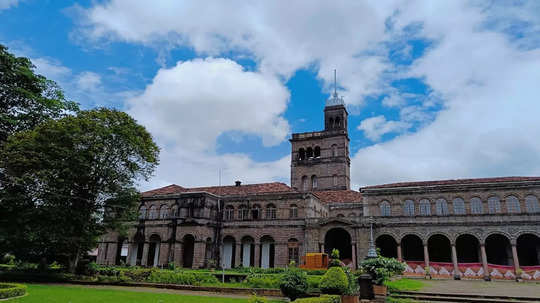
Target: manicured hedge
<point>182,278</point>
<point>10,290</point>
<point>321,299</point>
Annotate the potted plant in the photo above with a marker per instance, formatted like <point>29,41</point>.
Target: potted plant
<point>351,295</point>
<point>381,269</point>
<point>427,269</point>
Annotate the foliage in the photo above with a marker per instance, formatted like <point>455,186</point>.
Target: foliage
<point>262,281</point>
<point>8,259</point>
<point>68,181</point>
<point>321,299</point>
<point>181,278</point>
<point>382,268</point>
<point>255,299</point>
<point>334,259</point>
<point>259,270</point>
<point>334,282</point>
<point>353,287</point>
<point>10,290</point>
<point>294,283</point>
<point>313,281</point>
<point>404,285</point>
<point>315,272</point>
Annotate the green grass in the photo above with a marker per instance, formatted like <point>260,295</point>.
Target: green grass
<point>76,294</point>
<point>405,285</point>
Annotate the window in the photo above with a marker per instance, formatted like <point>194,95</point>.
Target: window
<point>142,212</point>
<point>317,152</point>
<point>229,213</point>
<point>256,212</point>
<point>174,211</point>
<point>304,183</point>
<point>335,180</point>
<point>243,213</point>
<point>408,208</point>
<point>309,153</point>
<point>531,202</point>
<point>293,251</point>
<point>476,206</point>
<point>385,208</point>
<point>301,154</point>
<point>459,206</point>
<point>334,150</point>
<point>163,212</point>
<point>313,181</point>
<point>494,205</point>
<point>293,211</point>
<point>425,207</point>
<point>153,214</point>
<point>441,207</point>
<point>338,122</point>
<point>512,204</point>
<point>271,211</point>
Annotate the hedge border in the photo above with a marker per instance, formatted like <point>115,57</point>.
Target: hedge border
<point>10,290</point>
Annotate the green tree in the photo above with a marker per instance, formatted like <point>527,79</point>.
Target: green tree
<point>27,99</point>
<point>68,181</point>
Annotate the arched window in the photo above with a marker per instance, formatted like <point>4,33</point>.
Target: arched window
<point>317,152</point>
<point>304,183</point>
<point>334,150</point>
<point>271,211</point>
<point>174,211</point>
<point>301,154</point>
<point>385,208</point>
<point>425,207</point>
<point>309,153</point>
<point>164,212</point>
<point>408,208</point>
<point>494,205</point>
<point>352,215</point>
<point>459,206</point>
<point>153,214</point>
<point>331,123</point>
<point>531,202</point>
<point>441,207</point>
<point>142,212</point>
<point>293,211</point>
<point>292,246</point>
<point>243,212</point>
<point>335,177</point>
<point>256,212</point>
<point>338,122</point>
<point>476,206</point>
<point>229,213</point>
<point>512,204</point>
<point>314,182</point>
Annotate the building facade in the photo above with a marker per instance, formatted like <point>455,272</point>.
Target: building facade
<point>470,228</point>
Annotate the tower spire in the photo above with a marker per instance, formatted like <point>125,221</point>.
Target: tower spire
<point>334,98</point>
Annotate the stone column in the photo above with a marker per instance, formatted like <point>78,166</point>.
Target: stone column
<point>177,259</point>
<point>321,245</point>
<point>516,259</point>
<point>353,248</point>
<point>257,257</point>
<point>237,261</point>
<point>128,257</point>
<point>145,254</point>
<point>484,261</point>
<point>426,255</point>
<point>399,256</point>
<point>199,249</point>
<point>454,260</point>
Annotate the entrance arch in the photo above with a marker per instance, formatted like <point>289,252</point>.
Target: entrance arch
<point>247,254</point>
<point>137,249</point>
<point>498,250</point>
<point>439,248</point>
<point>121,251</point>
<point>188,250</point>
<point>413,249</point>
<point>267,252</point>
<point>528,249</point>
<point>467,249</point>
<point>153,251</point>
<point>339,239</point>
<point>229,251</point>
<point>387,246</point>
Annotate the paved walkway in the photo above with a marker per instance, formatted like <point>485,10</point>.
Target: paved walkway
<point>494,288</point>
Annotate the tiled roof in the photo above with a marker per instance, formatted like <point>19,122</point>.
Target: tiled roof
<point>454,182</point>
<point>339,196</point>
<point>231,190</point>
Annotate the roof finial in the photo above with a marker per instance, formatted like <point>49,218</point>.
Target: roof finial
<point>334,98</point>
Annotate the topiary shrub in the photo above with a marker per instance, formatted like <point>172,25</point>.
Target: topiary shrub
<point>262,281</point>
<point>334,282</point>
<point>382,268</point>
<point>10,290</point>
<point>294,283</point>
<point>334,259</point>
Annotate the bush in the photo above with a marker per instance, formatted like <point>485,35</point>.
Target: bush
<point>10,290</point>
<point>321,299</point>
<point>353,288</point>
<point>313,282</point>
<point>294,283</point>
<point>254,299</point>
<point>182,278</point>
<point>334,259</point>
<point>8,259</point>
<point>382,268</point>
<point>262,281</point>
<point>315,272</point>
<point>334,282</point>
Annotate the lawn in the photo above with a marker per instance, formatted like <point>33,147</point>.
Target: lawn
<point>38,293</point>
<point>405,284</point>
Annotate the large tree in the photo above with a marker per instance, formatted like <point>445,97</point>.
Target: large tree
<point>26,98</point>
<point>68,181</point>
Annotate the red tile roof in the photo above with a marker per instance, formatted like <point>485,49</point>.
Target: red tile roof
<point>339,196</point>
<point>454,182</point>
<point>231,190</point>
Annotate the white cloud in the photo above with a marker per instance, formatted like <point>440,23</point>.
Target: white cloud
<point>5,4</point>
<point>375,127</point>
<point>88,81</point>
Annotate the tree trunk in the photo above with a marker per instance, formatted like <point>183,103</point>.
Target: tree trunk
<point>73,261</point>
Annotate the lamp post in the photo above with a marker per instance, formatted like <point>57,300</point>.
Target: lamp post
<point>372,252</point>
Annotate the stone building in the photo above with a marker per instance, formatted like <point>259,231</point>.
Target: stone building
<point>471,228</point>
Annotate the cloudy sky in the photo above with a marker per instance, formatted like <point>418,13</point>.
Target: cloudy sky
<point>435,89</point>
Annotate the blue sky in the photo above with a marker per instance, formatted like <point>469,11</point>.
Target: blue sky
<point>434,90</point>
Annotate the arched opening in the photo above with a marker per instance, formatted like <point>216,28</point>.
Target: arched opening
<point>459,206</point>
<point>528,249</point>
<point>467,249</point>
<point>188,250</point>
<point>338,122</point>
<point>314,182</point>
<point>408,208</point>
<point>229,213</point>
<point>137,249</point>
<point>271,212</point>
<point>142,212</point>
<point>229,251</point>
<point>339,239</point>
<point>498,250</point>
<point>512,205</point>
<point>494,205</point>
<point>304,183</point>
<point>441,207</point>
<point>412,247</point>
<point>152,212</point>
<point>247,254</point>
<point>334,150</point>
<point>267,252</point>
<point>243,212</point>
<point>121,251</point>
<point>292,247</point>
<point>164,212</point>
<point>384,207</point>
<point>293,211</point>
<point>425,207</point>
<point>531,204</point>
<point>174,211</point>
<point>439,249</point>
<point>476,206</point>
<point>317,152</point>
<point>301,154</point>
<point>153,251</point>
<point>387,246</point>
<point>331,123</point>
<point>256,212</point>
<point>309,153</point>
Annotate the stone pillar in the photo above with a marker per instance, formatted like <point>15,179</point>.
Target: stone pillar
<point>237,261</point>
<point>321,245</point>
<point>515,259</point>
<point>426,255</point>
<point>257,257</point>
<point>199,250</point>
<point>128,257</point>
<point>353,248</point>
<point>454,260</point>
<point>144,259</point>
<point>177,258</point>
<point>399,256</point>
<point>484,261</point>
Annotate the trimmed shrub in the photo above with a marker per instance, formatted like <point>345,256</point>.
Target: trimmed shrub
<point>334,282</point>
<point>382,268</point>
<point>314,281</point>
<point>262,281</point>
<point>10,290</point>
<point>321,299</point>
<point>181,278</point>
<point>334,259</point>
<point>315,272</point>
<point>294,283</point>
